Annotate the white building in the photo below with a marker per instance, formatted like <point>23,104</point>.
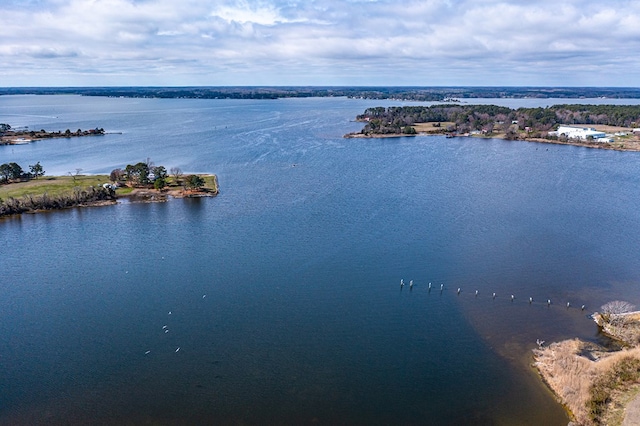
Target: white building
<point>582,133</point>
<point>605,140</point>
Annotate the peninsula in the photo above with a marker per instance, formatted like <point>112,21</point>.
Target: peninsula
<point>10,136</point>
<point>142,182</point>
<point>596,126</point>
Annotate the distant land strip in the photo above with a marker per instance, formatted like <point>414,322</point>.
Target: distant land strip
<point>409,93</point>
<point>9,136</point>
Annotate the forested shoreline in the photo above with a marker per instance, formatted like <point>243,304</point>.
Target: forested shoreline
<point>492,118</point>
<point>405,93</point>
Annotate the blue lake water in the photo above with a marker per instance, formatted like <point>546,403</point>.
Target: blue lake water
<point>278,302</point>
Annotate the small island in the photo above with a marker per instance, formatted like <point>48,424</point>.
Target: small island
<point>614,127</point>
<point>11,136</point>
<point>31,192</point>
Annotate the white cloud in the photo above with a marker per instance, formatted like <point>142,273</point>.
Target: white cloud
<point>243,12</point>
<point>389,42</point>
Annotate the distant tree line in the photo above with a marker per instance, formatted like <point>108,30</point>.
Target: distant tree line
<point>416,93</point>
<point>465,118</point>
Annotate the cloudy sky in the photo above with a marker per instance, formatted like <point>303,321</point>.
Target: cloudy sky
<point>319,42</point>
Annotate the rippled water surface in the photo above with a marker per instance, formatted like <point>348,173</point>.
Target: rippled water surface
<point>278,302</point>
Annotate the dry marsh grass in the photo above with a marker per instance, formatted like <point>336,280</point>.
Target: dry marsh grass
<point>624,327</point>
<point>589,381</point>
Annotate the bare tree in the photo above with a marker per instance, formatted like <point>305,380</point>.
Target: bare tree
<point>74,176</point>
<point>176,172</point>
<point>611,312</point>
<point>116,175</point>
<point>617,307</point>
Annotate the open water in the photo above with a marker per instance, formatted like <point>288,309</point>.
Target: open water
<point>279,301</point>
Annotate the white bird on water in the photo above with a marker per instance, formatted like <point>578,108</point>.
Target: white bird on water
<point>494,295</point>
<point>476,293</point>
<point>530,300</point>
<point>512,297</point>
<point>458,290</point>
<point>441,287</point>
<point>411,284</point>
<point>401,283</point>
<point>178,349</point>
<point>548,302</point>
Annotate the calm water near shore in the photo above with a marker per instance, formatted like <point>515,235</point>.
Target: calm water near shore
<point>278,302</point>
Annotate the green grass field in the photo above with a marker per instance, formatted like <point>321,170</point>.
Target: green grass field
<point>210,182</point>
<point>58,185</point>
<point>52,185</point>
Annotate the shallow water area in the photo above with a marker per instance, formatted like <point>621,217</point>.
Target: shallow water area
<point>279,301</point>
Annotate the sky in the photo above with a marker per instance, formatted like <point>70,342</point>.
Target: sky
<point>319,43</point>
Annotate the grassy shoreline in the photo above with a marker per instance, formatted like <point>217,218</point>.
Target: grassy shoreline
<point>53,185</point>
<point>59,192</point>
<point>595,384</point>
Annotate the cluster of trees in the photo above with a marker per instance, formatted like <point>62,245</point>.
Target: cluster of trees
<point>29,203</point>
<point>395,126</point>
<point>6,129</point>
<point>141,174</point>
<point>466,118</point>
<point>68,132</point>
<point>398,120</point>
<point>10,172</point>
<point>193,182</point>
<point>612,115</point>
<point>146,174</point>
<point>43,134</point>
